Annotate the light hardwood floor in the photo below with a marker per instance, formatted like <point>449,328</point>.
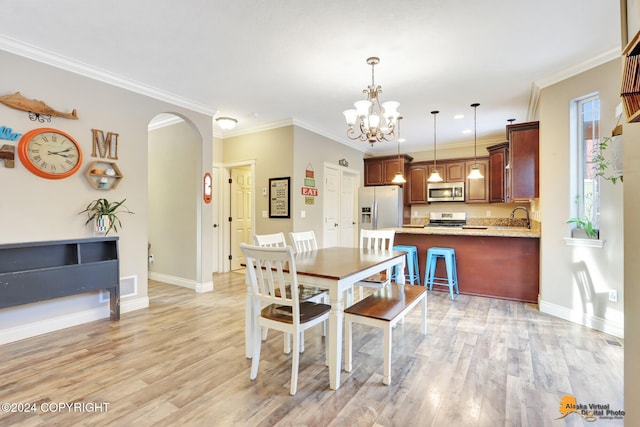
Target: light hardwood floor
<point>483,362</point>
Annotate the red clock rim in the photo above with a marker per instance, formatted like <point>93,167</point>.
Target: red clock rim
<point>24,158</point>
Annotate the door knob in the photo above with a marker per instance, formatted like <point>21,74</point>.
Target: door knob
<point>335,225</point>
<point>215,225</point>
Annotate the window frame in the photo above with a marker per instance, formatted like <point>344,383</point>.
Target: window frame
<point>585,201</point>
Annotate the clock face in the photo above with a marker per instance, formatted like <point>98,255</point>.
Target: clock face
<point>50,153</point>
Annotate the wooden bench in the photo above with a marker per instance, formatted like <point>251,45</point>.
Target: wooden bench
<point>384,309</point>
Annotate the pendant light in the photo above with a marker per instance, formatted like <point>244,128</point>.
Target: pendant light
<point>475,171</point>
<point>508,166</point>
<point>399,178</point>
<point>435,175</point>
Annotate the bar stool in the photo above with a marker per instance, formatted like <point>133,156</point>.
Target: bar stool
<point>451,280</point>
<point>412,264</point>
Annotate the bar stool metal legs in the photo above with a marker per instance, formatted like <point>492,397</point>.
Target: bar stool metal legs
<point>412,264</point>
<point>449,256</point>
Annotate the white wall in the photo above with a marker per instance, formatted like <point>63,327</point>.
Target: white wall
<point>568,270</point>
<point>311,149</point>
<point>36,209</point>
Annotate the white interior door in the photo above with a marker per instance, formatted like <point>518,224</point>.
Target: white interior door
<point>241,213</point>
<point>340,200</point>
<point>331,207</point>
<point>217,215</point>
<point>348,206</point>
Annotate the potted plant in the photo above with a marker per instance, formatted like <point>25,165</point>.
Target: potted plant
<point>585,227</point>
<point>105,214</point>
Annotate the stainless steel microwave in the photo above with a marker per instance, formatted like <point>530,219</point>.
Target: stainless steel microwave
<point>445,192</point>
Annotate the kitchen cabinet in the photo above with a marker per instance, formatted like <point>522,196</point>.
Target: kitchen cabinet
<point>477,190</point>
<point>455,171</point>
<point>417,188</point>
<point>381,170</point>
<point>449,170</point>
<point>498,172</point>
<point>524,169</point>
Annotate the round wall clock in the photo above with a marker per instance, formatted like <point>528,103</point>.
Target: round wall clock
<point>50,153</point>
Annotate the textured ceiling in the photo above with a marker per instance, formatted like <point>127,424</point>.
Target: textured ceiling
<point>269,61</point>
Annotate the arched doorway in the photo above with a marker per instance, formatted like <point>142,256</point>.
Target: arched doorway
<point>174,147</point>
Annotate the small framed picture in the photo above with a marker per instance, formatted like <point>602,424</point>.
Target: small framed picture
<point>279,196</point>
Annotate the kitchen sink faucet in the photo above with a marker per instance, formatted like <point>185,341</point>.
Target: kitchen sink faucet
<point>513,212</point>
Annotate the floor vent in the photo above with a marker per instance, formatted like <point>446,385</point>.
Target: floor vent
<point>614,343</point>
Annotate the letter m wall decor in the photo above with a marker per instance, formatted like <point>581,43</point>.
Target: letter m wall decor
<point>106,147</point>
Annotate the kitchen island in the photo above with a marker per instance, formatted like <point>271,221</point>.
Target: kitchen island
<point>499,262</point>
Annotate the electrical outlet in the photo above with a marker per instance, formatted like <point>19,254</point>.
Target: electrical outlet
<point>151,259</point>
<point>613,295</point>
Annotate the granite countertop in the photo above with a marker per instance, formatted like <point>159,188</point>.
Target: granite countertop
<point>471,230</point>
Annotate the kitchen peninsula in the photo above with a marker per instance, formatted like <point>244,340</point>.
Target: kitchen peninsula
<point>498,262</point>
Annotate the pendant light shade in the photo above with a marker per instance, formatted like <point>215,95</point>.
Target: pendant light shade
<point>399,178</point>
<point>435,175</point>
<point>475,170</point>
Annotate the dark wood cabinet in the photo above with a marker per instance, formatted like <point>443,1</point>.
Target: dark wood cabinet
<point>455,171</point>
<point>382,170</point>
<point>373,174</point>
<point>477,190</point>
<point>498,172</point>
<point>523,161</point>
<point>417,181</point>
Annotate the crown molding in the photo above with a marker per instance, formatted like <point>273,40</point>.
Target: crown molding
<point>579,68</point>
<point>40,55</point>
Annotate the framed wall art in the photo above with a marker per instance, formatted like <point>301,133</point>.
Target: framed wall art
<point>279,197</point>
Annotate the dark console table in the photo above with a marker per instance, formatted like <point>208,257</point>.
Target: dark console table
<point>38,271</point>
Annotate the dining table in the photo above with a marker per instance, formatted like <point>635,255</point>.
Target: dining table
<point>336,269</point>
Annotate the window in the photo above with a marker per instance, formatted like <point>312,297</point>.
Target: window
<point>585,145</point>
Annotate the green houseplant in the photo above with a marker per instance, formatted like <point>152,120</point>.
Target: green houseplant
<point>105,214</point>
<point>584,224</point>
<point>601,162</point>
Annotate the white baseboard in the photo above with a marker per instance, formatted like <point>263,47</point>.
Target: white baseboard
<point>68,320</point>
<point>179,281</point>
<point>607,326</point>
<point>133,304</point>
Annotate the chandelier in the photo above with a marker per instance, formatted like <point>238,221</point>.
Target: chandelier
<point>371,121</point>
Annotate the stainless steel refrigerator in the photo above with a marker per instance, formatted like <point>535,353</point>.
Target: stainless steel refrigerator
<point>380,207</point>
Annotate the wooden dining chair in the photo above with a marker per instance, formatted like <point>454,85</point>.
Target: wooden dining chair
<point>305,241</point>
<point>280,310</point>
<point>313,294</point>
<point>376,240</point>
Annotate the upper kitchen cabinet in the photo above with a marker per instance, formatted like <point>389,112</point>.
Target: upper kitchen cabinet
<point>477,190</point>
<point>523,161</point>
<point>498,172</point>
<point>381,170</point>
<point>455,171</point>
<point>417,180</point>
<point>449,170</point>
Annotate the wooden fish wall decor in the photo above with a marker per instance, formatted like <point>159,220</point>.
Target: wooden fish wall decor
<point>37,110</point>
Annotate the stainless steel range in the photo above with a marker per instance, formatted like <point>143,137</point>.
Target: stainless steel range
<point>447,219</point>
